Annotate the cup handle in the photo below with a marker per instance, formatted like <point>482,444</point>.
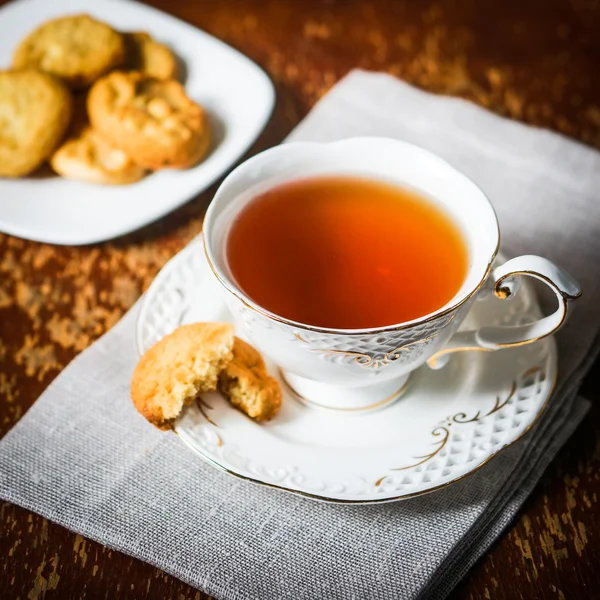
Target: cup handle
<point>488,339</point>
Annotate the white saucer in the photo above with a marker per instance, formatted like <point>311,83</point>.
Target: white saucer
<point>447,424</point>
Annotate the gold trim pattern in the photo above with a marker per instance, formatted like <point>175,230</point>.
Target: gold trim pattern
<point>503,292</point>
<point>459,419</point>
<point>202,406</point>
<point>432,360</point>
<point>435,488</point>
<point>363,359</point>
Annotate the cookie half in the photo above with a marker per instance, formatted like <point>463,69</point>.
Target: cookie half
<point>77,48</point>
<point>35,111</point>
<point>178,368</point>
<point>151,120</point>
<point>247,385</point>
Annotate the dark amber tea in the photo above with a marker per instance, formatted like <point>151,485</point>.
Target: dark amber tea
<point>346,252</point>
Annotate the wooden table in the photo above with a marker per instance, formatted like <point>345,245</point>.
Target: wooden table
<point>536,61</point>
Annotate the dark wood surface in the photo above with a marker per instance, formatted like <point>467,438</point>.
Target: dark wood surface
<point>537,61</point>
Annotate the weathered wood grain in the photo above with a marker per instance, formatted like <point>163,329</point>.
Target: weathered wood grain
<point>535,61</point>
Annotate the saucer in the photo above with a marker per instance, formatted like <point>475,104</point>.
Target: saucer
<point>446,424</point>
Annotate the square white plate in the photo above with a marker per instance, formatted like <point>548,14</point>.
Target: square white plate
<point>237,94</point>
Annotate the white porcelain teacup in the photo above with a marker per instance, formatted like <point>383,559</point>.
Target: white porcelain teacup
<point>363,368</point>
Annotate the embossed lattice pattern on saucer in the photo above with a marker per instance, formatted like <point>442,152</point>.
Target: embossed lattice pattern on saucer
<point>448,424</point>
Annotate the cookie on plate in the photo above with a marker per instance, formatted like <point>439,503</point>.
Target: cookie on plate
<point>178,368</point>
<point>146,55</point>
<point>87,156</point>
<point>153,121</point>
<point>77,48</point>
<point>35,111</point>
<point>247,385</point>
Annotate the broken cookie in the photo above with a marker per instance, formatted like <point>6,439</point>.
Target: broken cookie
<point>178,368</point>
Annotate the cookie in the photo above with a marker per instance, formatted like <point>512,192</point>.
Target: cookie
<point>178,368</point>
<point>152,121</point>
<point>87,156</point>
<point>146,55</point>
<point>246,384</point>
<point>77,48</point>
<point>35,110</point>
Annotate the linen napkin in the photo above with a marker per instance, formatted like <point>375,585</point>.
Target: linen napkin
<point>84,458</point>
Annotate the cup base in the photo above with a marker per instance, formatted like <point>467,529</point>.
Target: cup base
<point>345,399</point>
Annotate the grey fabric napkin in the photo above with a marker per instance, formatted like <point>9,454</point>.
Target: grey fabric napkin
<point>84,458</point>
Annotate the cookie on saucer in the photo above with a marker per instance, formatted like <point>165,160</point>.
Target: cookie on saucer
<point>178,368</point>
<point>35,110</point>
<point>247,385</point>
<point>77,48</point>
<point>146,55</point>
<point>151,120</point>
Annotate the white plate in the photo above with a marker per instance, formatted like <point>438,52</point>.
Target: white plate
<point>237,94</point>
<point>447,425</point>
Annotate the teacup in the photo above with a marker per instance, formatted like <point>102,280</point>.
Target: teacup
<point>360,369</point>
